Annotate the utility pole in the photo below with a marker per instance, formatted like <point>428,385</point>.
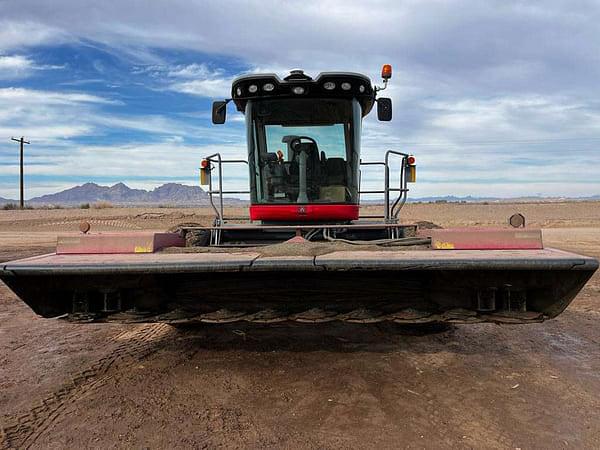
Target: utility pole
<point>22,141</point>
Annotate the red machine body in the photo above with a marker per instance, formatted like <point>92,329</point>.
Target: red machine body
<point>304,213</point>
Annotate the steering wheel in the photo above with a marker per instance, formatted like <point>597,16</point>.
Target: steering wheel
<point>297,141</point>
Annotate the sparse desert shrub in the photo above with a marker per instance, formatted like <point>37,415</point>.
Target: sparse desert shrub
<point>84,206</point>
<point>102,205</point>
<point>14,206</point>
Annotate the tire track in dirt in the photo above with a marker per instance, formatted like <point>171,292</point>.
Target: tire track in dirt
<point>115,223</point>
<point>133,345</point>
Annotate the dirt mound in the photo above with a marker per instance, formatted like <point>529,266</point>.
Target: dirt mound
<point>426,225</point>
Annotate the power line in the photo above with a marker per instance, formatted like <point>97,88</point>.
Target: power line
<point>22,143</point>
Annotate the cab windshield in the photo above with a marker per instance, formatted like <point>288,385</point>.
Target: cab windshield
<point>331,139</point>
<point>304,150</point>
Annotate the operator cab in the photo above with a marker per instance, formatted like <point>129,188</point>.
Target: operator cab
<point>303,138</point>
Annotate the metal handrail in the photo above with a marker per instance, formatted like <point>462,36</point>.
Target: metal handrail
<point>220,161</point>
<point>390,211</point>
<point>401,200</point>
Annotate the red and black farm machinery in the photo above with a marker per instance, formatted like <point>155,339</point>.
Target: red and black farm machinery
<point>306,254</point>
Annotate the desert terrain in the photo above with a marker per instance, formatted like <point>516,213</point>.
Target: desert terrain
<point>67,385</point>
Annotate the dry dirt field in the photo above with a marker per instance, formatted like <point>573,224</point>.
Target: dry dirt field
<point>65,385</point>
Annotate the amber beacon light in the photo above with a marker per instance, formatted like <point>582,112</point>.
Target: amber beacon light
<point>386,71</point>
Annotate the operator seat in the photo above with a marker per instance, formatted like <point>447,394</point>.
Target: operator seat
<point>334,187</point>
<point>335,169</point>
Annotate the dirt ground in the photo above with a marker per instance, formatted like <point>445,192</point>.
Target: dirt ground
<point>65,385</point>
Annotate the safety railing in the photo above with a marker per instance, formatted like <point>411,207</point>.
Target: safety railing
<point>391,210</point>
<point>219,211</point>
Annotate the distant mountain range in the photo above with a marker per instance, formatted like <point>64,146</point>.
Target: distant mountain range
<point>471,199</point>
<point>179,194</point>
<point>121,194</point>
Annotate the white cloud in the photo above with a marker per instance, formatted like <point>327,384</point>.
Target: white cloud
<point>158,161</point>
<point>14,66</point>
<point>465,35</point>
<point>53,117</point>
<point>31,96</point>
<point>211,88</point>
<point>194,79</point>
<point>48,117</point>
<point>17,34</point>
<point>191,71</point>
<point>513,118</point>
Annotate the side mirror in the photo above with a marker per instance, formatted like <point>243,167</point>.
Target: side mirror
<point>384,109</point>
<point>219,111</point>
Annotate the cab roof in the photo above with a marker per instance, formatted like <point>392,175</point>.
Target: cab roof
<point>299,85</point>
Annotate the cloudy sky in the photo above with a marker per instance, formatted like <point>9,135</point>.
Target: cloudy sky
<point>494,98</point>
